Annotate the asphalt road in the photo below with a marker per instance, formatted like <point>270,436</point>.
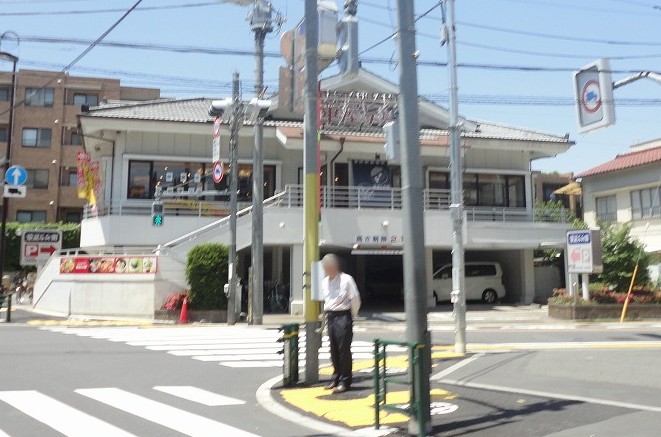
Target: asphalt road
<point>121,381</point>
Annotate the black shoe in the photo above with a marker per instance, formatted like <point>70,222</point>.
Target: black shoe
<point>341,388</point>
<point>331,385</point>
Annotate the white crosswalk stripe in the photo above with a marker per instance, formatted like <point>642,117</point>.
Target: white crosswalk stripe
<point>71,422</point>
<point>235,347</point>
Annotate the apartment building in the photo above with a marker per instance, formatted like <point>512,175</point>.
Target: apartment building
<point>46,139</point>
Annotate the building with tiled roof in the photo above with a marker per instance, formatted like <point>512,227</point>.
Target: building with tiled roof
<point>626,189</point>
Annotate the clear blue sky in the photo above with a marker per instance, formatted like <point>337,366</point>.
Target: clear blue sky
<point>223,26</point>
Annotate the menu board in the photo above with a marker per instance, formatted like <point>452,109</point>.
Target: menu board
<point>112,265</point>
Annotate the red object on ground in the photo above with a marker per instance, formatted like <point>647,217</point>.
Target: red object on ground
<point>183,315</point>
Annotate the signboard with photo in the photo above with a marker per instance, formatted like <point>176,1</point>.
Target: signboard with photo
<point>109,265</point>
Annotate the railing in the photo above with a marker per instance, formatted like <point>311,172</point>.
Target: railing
<point>645,213</point>
<point>330,197</point>
<point>608,217</point>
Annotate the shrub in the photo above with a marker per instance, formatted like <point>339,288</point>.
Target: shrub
<point>206,273</point>
<point>174,302</point>
<point>620,252</point>
<point>70,239</point>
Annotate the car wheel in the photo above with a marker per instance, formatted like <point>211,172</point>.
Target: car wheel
<point>435,299</point>
<point>489,296</point>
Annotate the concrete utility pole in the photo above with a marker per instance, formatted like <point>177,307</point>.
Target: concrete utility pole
<point>415,272</point>
<point>234,301</point>
<point>10,124</point>
<point>311,193</point>
<point>261,22</point>
<point>458,295</point>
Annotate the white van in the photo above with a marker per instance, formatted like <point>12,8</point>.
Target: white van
<point>484,281</point>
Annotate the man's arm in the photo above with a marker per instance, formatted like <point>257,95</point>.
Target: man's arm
<point>355,297</point>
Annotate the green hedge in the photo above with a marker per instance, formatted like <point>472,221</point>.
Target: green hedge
<point>70,239</point>
<point>206,273</point>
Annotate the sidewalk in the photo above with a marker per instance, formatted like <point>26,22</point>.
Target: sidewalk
<point>352,413</point>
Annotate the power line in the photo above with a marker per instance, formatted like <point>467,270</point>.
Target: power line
<point>105,11</point>
<point>559,37</point>
<point>82,54</point>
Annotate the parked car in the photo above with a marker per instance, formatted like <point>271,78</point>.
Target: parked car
<point>484,281</point>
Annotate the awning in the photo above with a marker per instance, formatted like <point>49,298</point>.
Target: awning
<point>572,189</point>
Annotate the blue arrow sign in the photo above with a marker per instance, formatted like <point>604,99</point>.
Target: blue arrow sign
<point>16,175</point>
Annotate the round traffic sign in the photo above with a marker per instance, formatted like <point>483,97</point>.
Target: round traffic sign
<point>16,175</point>
<point>591,96</point>
<point>216,127</point>
<point>218,172</point>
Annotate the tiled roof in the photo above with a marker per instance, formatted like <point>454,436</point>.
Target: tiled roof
<point>196,110</point>
<point>624,161</point>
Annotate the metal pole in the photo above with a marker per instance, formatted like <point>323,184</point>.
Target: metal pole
<point>311,193</point>
<point>257,249</point>
<point>415,271</point>
<point>234,186</point>
<point>457,190</point>
<point>5,201</point>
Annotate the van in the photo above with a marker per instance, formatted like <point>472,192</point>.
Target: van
<point>484,281</point>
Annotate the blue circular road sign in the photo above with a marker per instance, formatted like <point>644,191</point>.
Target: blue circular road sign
<point>16,175</point>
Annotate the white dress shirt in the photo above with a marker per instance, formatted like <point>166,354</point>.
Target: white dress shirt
<point>341,294</point>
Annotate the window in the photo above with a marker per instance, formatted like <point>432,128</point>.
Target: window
<point>475,270</point>
<point>438,180</point>
<point>4,94</point>
<point>444,273</point>
<point>3,134</point>
<point>493,190</point>
<point>71,215</point>
<point>606,208</point>
<point>33,137</point>
<point>23,216</point>
<point>39,96</point>
<point>80,99</point>
<point>645,204</point>
<point>37,179</point>
<point>76,139</point>
<point>68,178</point>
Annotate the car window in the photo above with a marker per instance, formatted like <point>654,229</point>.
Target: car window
<point>480,270</point>
<point>444,273</point>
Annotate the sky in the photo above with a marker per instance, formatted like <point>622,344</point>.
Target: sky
<point>529,37</point>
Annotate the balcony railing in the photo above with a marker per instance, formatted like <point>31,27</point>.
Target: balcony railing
<point>334,197</point>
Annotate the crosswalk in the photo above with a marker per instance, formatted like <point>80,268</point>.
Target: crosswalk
<point>73,422</point>
<point>234,347</point>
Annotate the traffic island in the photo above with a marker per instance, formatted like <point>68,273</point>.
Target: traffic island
<point>354,409</point>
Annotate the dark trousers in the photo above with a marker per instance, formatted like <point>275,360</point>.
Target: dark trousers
<point>340,331</point>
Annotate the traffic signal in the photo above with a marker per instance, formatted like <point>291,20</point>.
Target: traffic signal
<point>157,213</point>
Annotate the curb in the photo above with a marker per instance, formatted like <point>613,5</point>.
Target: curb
<point>266,401</point>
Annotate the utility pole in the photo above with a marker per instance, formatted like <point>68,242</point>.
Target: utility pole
<point>415,272</point>
<point>458,295</point>
<point>5,202</point>
<point>311,193</point>
<point>234,301</point>
<point>262,23</point>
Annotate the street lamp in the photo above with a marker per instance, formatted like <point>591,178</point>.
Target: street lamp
<point>261,22</point>
<point>5,204</point>
<point>235,112</point>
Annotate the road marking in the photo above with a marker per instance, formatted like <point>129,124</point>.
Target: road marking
<point>184,422</point>
<point>61,417</point>
<point>490,347</point>
<point>3,434</point>
<point>545,394</point>
<point>250,364</point>
<point>442,374</point>
<point>199,395</point>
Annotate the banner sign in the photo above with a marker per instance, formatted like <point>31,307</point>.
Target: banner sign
<point>88,181</point>
<point>114,265</point>
<point>374,183</point>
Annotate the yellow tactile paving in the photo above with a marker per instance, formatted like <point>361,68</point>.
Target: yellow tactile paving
<point>351,412</point>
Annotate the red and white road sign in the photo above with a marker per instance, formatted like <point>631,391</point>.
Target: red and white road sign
<point>591,96</point>
<point>216,127</point>
<point>218,172</point>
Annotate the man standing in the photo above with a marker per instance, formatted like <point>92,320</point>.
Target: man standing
<point>341,304</point>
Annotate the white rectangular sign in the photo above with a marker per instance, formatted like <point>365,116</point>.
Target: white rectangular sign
<point>39,245</point>
<point>15,191</point>
<point>593,89</point>
<point>584,251</point>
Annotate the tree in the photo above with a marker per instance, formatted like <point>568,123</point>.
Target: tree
<point>620,252</point>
